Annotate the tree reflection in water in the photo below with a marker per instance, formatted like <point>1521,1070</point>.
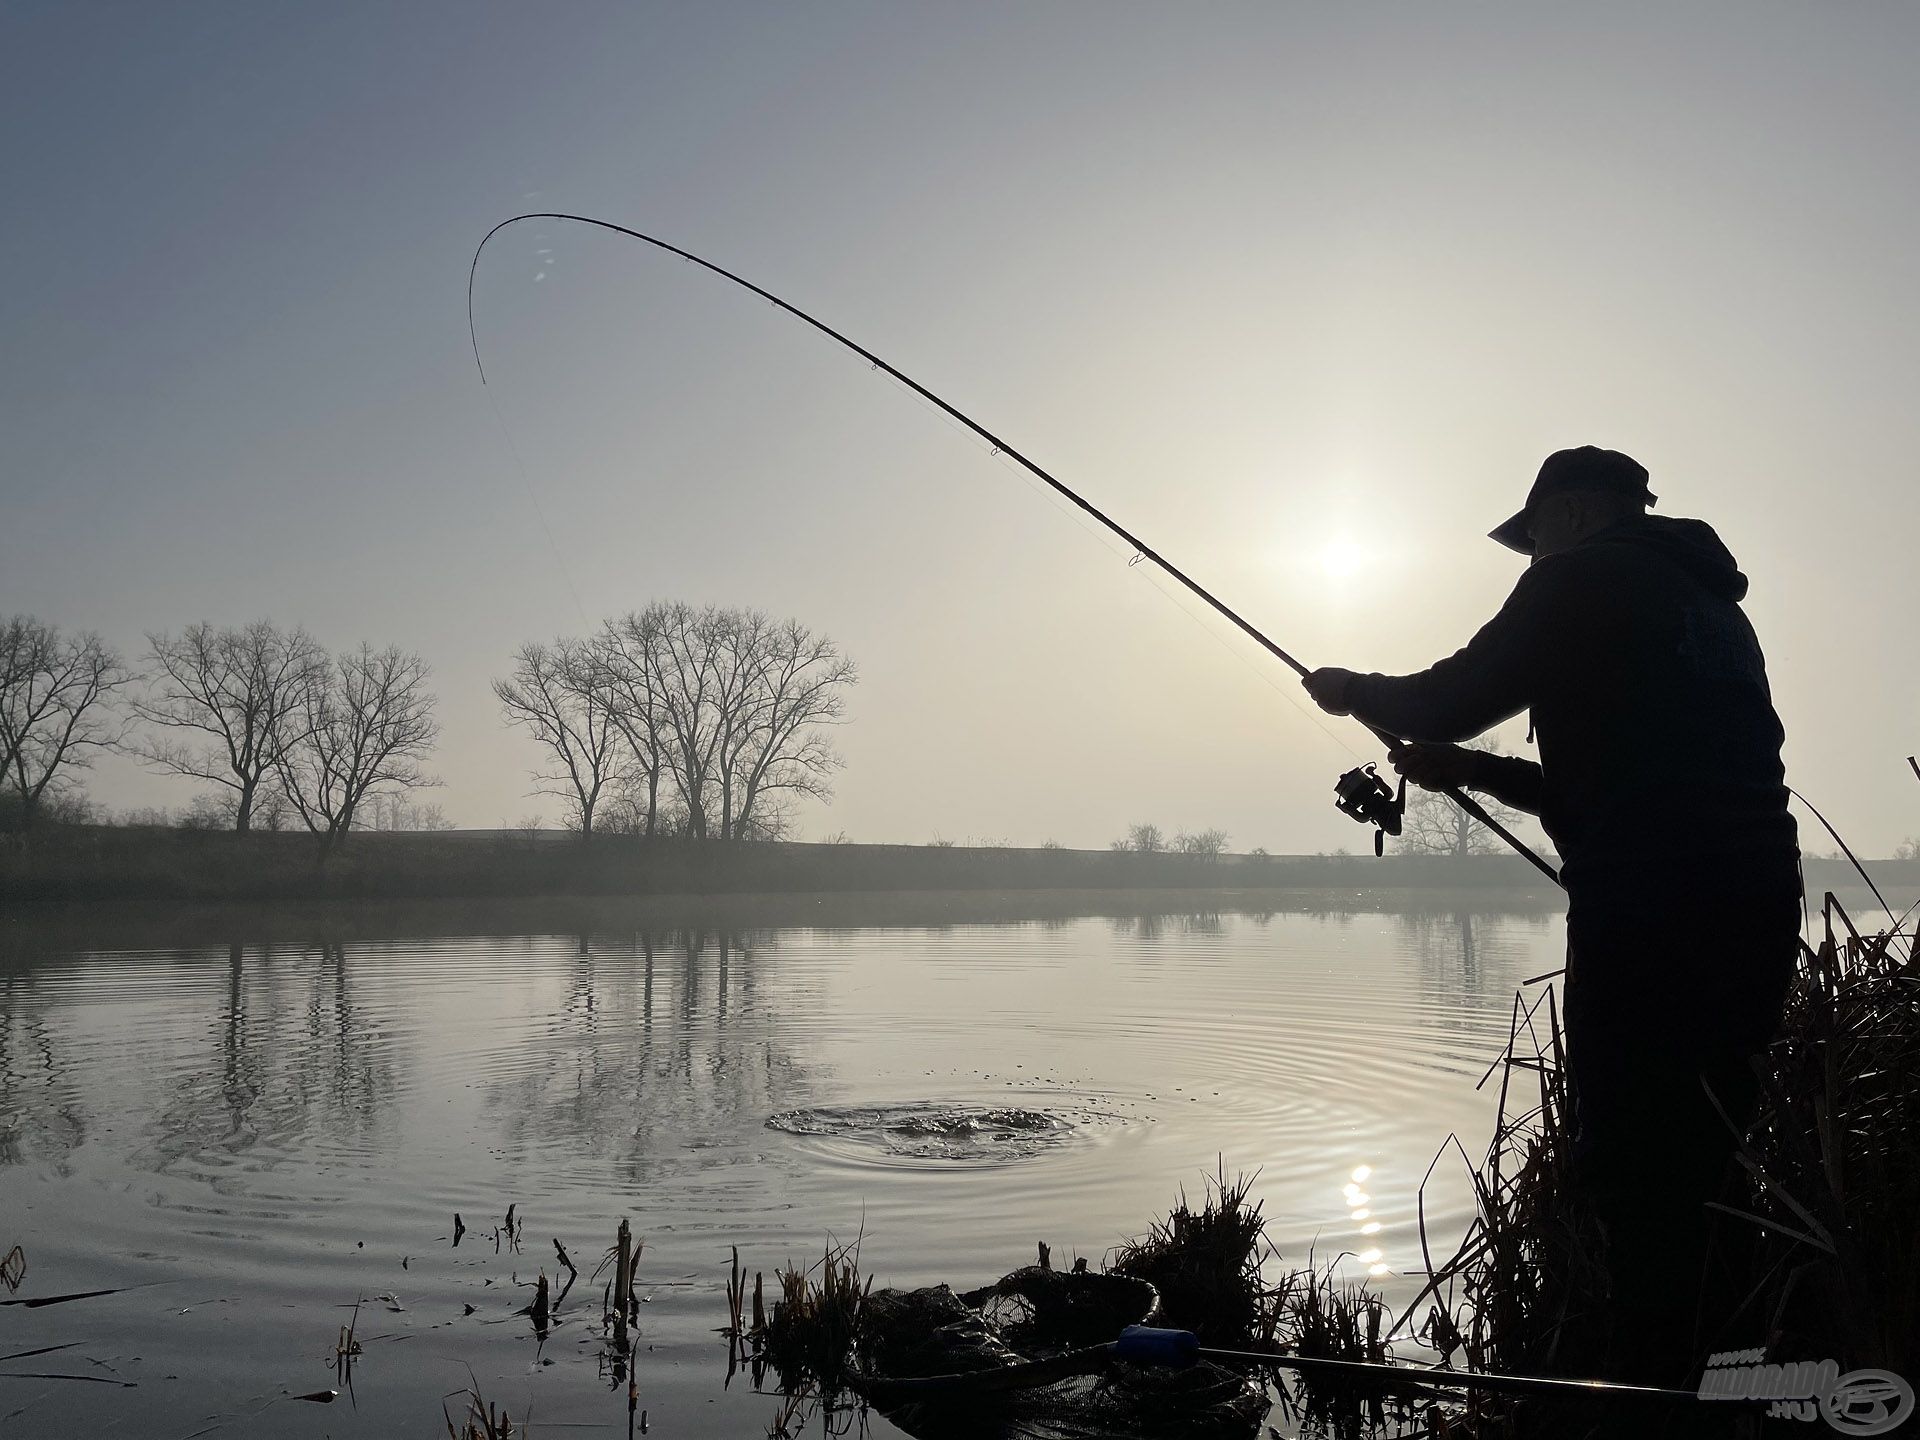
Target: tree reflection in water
<point>295,1058</point>
<point>42,1115</point>
<point>662,1037</point>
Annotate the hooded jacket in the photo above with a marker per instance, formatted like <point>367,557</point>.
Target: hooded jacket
<point>1659,745</point>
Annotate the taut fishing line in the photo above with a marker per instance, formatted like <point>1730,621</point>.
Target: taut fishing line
<point>1362,794</point>
<point>533,496</point>
<point>1102,536</point>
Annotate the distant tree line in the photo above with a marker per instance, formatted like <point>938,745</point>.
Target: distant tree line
<point>701,721</point>
<point>281,727</point>
<point>1146,839</point>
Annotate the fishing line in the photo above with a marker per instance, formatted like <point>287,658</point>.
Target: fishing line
<point>1140,550</point>
<point>533,496</point>
<point>1105,539</point>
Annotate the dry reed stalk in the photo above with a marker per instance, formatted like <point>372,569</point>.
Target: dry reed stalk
<point>566,1260</point>
<point>483,1421</point>
<point>1835,1155</point>
<point>736,1297</point>
<point>1823,1248</point>
<point>623,1269</point>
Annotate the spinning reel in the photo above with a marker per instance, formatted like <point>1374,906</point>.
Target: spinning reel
<point>1364,796</point>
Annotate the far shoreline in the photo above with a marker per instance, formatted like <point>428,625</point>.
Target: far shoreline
<point>64,866</point>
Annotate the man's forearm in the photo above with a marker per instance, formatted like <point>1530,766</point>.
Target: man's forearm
<point>1509,780</point>
<point>1430,707</point>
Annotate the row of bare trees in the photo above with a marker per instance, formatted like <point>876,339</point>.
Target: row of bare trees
<point>679,719</point>
<point>1148,839</point>
<point>265,714</point>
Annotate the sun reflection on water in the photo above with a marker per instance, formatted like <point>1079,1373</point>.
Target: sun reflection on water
<point>1359,1207</point>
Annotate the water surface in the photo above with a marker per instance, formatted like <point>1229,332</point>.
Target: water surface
<point>261,1129</point>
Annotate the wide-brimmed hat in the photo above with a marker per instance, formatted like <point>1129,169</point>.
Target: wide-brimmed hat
<point>1587,467</point>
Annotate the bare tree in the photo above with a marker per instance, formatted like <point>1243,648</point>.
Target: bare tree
<point>394,811</point>
<point>559,695</point>
<point>729,706</point>
<point>1208,844</point>
<point>790,683</point>
<point>246,689</point>
<point>628,664</point>
<point>1142,839</point>
<point>695,696</point>
<point>215,810</point>
<point>55,702</point>
<point>367,724</point>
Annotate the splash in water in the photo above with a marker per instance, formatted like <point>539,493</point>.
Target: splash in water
<point>937,1130</point>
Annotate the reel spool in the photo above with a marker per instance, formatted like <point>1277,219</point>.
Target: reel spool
<point>1362,795</point>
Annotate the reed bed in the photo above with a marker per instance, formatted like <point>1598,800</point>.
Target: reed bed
<point>1834,1159</point>
<point>1816,1246</point>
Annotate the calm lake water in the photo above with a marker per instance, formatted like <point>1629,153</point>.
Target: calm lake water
<point>259,1120</point>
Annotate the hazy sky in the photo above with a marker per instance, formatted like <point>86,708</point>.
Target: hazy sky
<point>1303,294</point>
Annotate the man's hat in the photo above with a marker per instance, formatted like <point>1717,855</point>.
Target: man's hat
<point>1586,468</point>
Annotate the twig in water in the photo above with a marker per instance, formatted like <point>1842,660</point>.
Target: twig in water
<point>572,1274</point>
<point>346,1347</point>
<point>541,1310</point>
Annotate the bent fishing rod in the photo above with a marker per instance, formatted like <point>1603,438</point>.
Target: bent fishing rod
<point>1361,793</point>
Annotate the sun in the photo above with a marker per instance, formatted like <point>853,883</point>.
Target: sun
<point>1342,557</point>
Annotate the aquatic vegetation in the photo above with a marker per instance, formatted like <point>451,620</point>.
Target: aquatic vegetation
<point>1834,1162</point>
<point>1313,1313</point>
<point>815,1326</point>
<point>1820,1252</point>
<point>482,1420</point>
<point>1206,1264</point>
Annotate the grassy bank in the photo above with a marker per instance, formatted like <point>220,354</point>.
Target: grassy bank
<point>87,863</point>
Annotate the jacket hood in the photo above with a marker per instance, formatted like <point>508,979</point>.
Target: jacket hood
<point>1690,544</point>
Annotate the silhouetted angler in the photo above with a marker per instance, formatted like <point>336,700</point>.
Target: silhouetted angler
<point>1660,783</point>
